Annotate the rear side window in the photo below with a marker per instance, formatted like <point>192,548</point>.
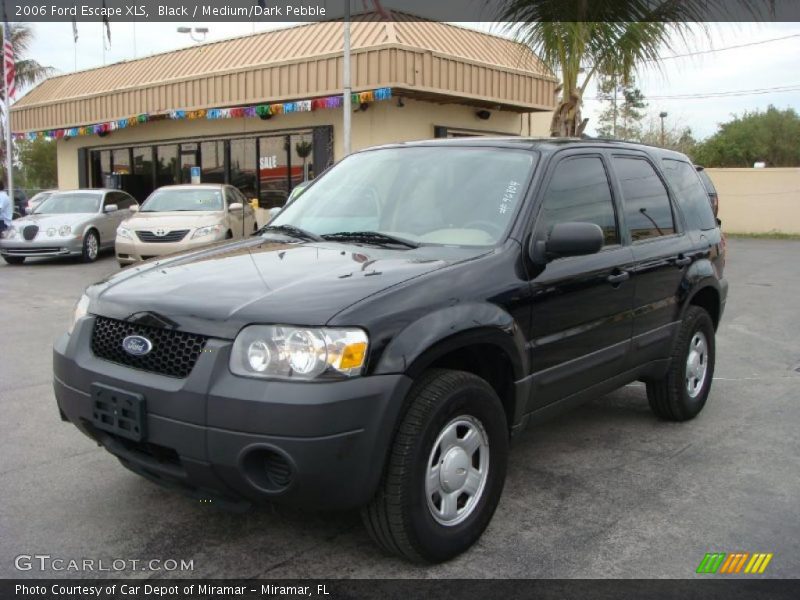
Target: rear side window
<point>579,191</point>
<point>691,194</point>
<point>707,182</point>
<point>648,213</point>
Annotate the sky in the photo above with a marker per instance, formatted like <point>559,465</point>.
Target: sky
<point>761,66</point>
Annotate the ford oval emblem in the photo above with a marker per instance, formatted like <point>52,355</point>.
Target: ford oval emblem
<point>137,345</point>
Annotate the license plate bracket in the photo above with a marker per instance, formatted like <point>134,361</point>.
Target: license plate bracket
<point>119,412</point>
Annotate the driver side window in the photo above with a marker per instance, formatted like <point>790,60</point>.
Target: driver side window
<point>579,190</point>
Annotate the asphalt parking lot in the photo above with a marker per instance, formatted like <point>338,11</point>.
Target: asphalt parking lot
<point>604,491</point>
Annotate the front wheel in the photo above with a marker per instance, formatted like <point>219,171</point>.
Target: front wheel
<point>91,247</point>
<point>682,393</point>
<point>445,472</point>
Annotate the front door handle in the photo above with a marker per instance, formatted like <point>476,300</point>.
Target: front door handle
<point>682,260</point>
<point>617,278</point>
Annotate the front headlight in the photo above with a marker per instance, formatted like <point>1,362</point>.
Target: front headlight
<point>64,230</point>
<point>208,230</point>
<point>81,308</point>
<point>124,232</point>
<point>285,352</point>
<point>9,234</point>
<point>51,232</point>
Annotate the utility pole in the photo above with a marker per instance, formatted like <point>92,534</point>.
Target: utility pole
<point>348,90</point>
<point>662,115</point>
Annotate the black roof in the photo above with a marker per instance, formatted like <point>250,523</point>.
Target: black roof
<point>543,144</point>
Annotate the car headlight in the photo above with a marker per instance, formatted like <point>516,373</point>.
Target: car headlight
<point>51,232</point>
<point>298,353</point>
<point>64,230</point>
<point>208,230</point>
<point>9,234</point>
<point>124,232</point>
<point>81,308</point>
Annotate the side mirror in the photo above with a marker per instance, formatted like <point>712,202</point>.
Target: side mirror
<point>134,208</point>
<point>236,206</point>
<point>109,208</point>
<point>568,239</point>
<point>28,210</point>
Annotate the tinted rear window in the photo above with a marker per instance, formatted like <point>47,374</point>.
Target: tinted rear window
<point>691,194</point>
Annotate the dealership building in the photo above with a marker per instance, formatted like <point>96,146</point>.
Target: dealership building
<point>264,111</point>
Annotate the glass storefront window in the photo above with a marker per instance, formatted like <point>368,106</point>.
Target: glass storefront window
<point>243,167</point>
<point>265,167</point>
<point>212,162</point>
<point>273,171</point>
<point>167,166</point>
<point>121,161</point>
<point>141,183</point>
<point>302,162</point>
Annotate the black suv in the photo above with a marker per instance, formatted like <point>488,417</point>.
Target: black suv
<point>382,339</point>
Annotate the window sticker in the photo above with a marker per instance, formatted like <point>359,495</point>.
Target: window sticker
<point>509,196</point>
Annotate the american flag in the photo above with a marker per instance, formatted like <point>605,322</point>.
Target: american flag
<point>8,63</point>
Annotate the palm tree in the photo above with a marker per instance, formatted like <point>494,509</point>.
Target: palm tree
<point>28,72</point>
<point>584,38</point>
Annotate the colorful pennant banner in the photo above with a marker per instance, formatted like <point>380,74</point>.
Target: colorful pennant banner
<point>264,111</point>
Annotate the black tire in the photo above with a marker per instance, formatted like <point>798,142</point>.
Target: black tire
<point>229,235</point>
<point>14,260</point>
<point>669,396</point>
<point>398,518</point>
<point>88,255</point>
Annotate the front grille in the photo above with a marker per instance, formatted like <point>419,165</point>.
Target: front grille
<point>174,352</point>
<point>30,232</point>
<point>171,236</point>
<point>31,251</point>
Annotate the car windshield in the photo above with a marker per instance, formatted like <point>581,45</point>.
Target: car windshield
<point>69,203</point>
<point>41,197</point>
<point>184,199</point>
<point>427,195</point>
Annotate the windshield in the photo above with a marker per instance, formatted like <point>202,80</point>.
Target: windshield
<point>59,204</point>
<point>184,199</point>
<point>434,195</point>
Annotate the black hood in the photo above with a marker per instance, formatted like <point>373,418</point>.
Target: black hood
<point>219,290</point>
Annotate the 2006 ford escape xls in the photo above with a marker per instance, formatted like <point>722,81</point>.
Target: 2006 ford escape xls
<point>380,341</point>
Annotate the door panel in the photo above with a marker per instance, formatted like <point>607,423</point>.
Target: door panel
<point>581,324</point>
<point>581,317</point>
<point>661,253</point>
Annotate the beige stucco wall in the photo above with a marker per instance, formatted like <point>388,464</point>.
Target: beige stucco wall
<point>758,200</point>
<point>383,122</point>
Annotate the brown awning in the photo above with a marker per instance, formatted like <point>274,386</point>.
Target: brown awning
<point>425,59</point>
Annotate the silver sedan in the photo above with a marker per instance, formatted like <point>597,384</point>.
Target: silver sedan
<point>77,223</point>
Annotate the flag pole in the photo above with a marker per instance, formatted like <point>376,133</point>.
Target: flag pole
<point>9,157</point>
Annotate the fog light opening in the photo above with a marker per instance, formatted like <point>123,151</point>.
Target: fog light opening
<point>268,469</point>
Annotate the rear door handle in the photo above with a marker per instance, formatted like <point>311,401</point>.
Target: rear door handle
<point>617,278</point>
<point>682,260</point>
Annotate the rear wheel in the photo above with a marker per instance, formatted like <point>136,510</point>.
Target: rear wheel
<point>445,472</point>
<point>91,246</point>
<point>682,393</point>
<point>14,260</point>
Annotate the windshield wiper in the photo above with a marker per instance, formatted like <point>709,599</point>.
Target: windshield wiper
<point>291,230</point>
<point>369,237</point>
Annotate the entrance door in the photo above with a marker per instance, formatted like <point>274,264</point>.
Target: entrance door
<point>189,157</point>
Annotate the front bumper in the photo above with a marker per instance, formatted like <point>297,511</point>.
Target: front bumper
<point>216,435</point>
<point>46,247</point>
<point>131,251</point>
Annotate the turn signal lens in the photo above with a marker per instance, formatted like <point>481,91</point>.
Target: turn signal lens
<point>353,356</point>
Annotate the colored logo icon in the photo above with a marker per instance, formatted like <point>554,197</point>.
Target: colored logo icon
<point>734,563</point>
